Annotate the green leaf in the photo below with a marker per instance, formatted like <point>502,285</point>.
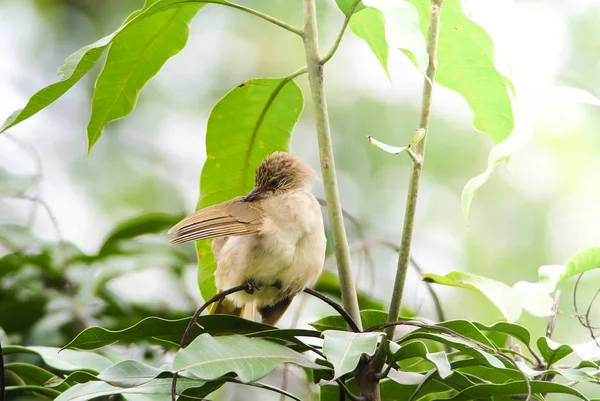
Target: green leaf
<point>134,57</point>
<point>369,25</point>
<point>406,378</point>
<point>76,66</point>
<point>252,121</point>
<point>390,390</point>
<point>210,358</point>
<point>575,375</point>
<point>514,330</point>
<point>369,318</point>
<point>76,377</point>
<point>129,373</point>
<point>465,64</point>
<point>35,389</point>
<point>94,389</point>
<point>440,360</point>
<point>167,330</point>
<point>329,284</point>
<point>551,351</point>
<point>556,96</point>
<point>65,360</point>
<point>152,223</point>
<point>514,388</point>
<point>344,349</point>
<point>467,329</point>
<point>345,6</point>
<point>501,295</point>
<point>32,375</point>
<point>582,262</point>
<point>464,346</point>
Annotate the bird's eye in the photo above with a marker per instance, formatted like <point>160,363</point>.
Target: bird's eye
<point>273,183</point>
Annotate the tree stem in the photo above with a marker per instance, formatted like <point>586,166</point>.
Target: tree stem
<point>419,151</point>
<point>315,78</point>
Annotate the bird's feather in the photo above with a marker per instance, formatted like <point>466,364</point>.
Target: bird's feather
<point>232,218</point>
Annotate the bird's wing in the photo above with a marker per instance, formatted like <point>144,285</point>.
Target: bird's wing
<point>231,218</point>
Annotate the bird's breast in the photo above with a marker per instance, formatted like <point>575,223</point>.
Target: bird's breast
<point>289,250</point>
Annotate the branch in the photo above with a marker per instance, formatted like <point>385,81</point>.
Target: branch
<point>248,10</point>
<point>585,321</point>
<point>315,77</point>
<point>193,321</point>
<point>338,40</point>
<point>351,323</point>
<point>419,151</point>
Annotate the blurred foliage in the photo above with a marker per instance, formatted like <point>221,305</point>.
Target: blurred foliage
<point>147,165</point>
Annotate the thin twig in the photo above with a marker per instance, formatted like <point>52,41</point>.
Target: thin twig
<point>585,322</point>
<point>349,320</point>
<point>554,313</point>
<point>248,10</point>
<point>334,208</point>
<point>61,241</point>
<point>338,40</point>
<point>192,323</point>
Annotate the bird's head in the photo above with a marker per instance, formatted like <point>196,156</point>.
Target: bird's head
<point>280,172</point>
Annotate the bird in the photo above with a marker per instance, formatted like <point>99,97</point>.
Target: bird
<point>272,239</point>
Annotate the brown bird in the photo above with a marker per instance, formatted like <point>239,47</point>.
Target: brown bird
<point>273,238</point>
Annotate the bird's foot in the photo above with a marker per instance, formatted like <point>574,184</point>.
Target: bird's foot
<point>252,286</point>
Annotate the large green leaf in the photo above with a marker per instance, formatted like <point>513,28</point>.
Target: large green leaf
<point>479,391</point>
<point>390,390</point>
<point>76,66</point>
<point>27,390</point>
<point>499,293</point>
<point>166,330</point>
<point>463,346</point>
<point>79,63</point>
<point>440,360</point>
<point>555,96</point>
<point>65,360</point>
<point>369,318</point>
<point>511,329</point>
<point>151,223</point>
<point>369,25</point>
<point>134,57</point>
<point>344,349</point>
<point>553,352</point>
<point>33,375</point>
<point>582,262</point>
<point>466,65</point>
<point>252,121</point>
<point>210,358</point>
<point>129,373</point>
<point>94,389</point>
<point>534,297</point>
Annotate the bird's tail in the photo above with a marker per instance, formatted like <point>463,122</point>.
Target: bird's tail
<point>226,307</point>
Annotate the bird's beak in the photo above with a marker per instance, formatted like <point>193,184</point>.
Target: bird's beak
<point>255,194</point>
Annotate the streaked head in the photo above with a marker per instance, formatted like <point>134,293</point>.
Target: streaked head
<point>278,173</point>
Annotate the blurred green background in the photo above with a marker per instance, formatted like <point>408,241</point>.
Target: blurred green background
<point>150,162</point>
